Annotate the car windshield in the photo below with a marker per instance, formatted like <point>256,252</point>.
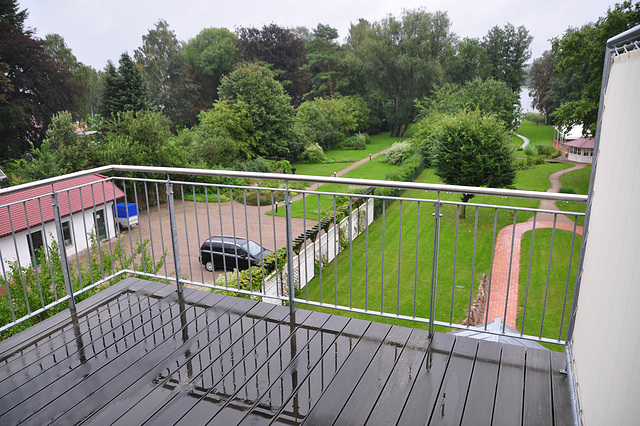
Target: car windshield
<point>252,248</point>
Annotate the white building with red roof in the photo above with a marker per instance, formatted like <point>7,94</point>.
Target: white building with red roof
<point>580,150</point>
<point>26,217</point>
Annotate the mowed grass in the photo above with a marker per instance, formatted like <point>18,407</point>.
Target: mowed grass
<point>376,279</point>
<point>538,134</point>
<point>578,180</point>
<point>548,303</point>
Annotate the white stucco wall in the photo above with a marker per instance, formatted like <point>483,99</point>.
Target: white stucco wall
<point>606,339</point>
<point>82,225</point>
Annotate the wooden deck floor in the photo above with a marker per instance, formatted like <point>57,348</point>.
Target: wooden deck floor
<point>136,353</point>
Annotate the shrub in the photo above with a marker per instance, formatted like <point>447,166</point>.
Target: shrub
<point>358,141</point>
<point>313,153</point>
<point>258,165</point>
<point>547,151</point>
<point>530,151</point>
<point>399,152</point>
<point>535,117</point>
<point>567,190</point>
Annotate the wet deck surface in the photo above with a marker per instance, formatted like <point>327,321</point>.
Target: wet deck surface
<point>136,353</point>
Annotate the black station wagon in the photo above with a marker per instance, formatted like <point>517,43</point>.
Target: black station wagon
<point>229,253</point>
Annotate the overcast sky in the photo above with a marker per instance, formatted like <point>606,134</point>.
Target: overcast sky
<point>99,30</point>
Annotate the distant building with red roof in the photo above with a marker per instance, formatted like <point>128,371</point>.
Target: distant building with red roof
<point>26,217</point>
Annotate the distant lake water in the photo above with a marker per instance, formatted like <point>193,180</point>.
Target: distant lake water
<point>525,100</point>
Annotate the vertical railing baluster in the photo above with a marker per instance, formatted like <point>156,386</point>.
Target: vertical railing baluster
<point>366,262</point>
<point>455,262</point>
<point>174,234</point>
<point>289,233</point>
<point>66,274</point>
<point>382,259</point>
<point>546,290</point>
<point>336,251</point>
<point>566,289</point>
<point>350,254</point>
<point>434,265</point>
<point>153,253</point>
<point>399,258</point>
<point>166,273</point>
<point>415,267</point>
<point>526,294</point>
<point>473,266</point>
<point>493,253</point>
<point>506,302</point>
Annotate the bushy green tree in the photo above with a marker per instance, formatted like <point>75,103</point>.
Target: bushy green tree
<point>580,57</point>
<point>324,55</point>
<point>210,55</point>
<point>400,59</point>
<point>255,93</point>
<point>282,49</point>
<point>63,151</point>
<point>542,73</point>
<point>140,138</point>
<point>171,88</point>
<point>471,149</point>
<point>489,96</point>
<point>508,49</point>
<point>328,122</point>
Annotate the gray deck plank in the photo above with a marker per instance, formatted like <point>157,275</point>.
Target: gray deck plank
<point>507,409</point>
<point>132,356</point>
<point>481,398</point>
<point>422,398</point>
<point>537,405</point>
<point>335,396</point>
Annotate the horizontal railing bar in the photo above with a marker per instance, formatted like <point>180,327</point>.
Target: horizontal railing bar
<point>306,178</point>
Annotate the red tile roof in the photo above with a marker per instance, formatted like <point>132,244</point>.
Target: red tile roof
<point>582,143</point>
<point>78,198</point>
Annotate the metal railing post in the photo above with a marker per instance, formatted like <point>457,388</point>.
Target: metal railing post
<point>434,266</point>
<point>174,234</point>
<point>66,273</point>
<point>290,277</point>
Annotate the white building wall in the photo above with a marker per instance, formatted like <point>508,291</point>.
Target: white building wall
<point>82,225</point>
<point>606,339</point>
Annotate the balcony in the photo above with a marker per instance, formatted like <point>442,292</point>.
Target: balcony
<point>365,317</point>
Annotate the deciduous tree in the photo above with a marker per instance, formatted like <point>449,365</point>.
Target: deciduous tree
<point>210,54</point>
<point>507,50</point>
<point>171,89</point>
<point>542,73</point>
<point>267,106</point>
<point>401,59</point>
<point>33,87</point>
<point>281,48</point>
<point>471,149</point>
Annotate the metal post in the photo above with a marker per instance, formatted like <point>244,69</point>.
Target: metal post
<point>434,266</point>
<point>290,277</point>
<point>63,253</point>
<point>174,234</point>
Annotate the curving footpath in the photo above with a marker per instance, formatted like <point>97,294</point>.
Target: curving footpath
<point>506,261</point>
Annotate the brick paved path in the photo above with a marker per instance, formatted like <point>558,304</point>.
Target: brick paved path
<point>506,261</point>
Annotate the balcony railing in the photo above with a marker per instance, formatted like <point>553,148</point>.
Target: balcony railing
<point>395,250</point>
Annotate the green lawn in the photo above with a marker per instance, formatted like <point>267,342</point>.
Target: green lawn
<point>396,277</point>
<point>538,134</point>
<point>537,179</point>
<point>515,142</point>
<point>535,291</point>
<point>577,180</point>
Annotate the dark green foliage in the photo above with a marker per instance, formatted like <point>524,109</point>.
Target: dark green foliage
<point>32,85</point>
<point>507,51</point>
<point>259,112</point>
<point>64,151</point>
<point>471,149</point>
<point>399,60</point>
<point>124,89</point>
<point>281,48</point>
<point>210,55</point>
<point>358,141</point>
<point>489,96</point>
<point>579,56</point>
<point>324,56</point>
<point>140,138</point>
<point>171,88</point>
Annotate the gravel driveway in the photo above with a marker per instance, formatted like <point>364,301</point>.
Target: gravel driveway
<point>196,221</point>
